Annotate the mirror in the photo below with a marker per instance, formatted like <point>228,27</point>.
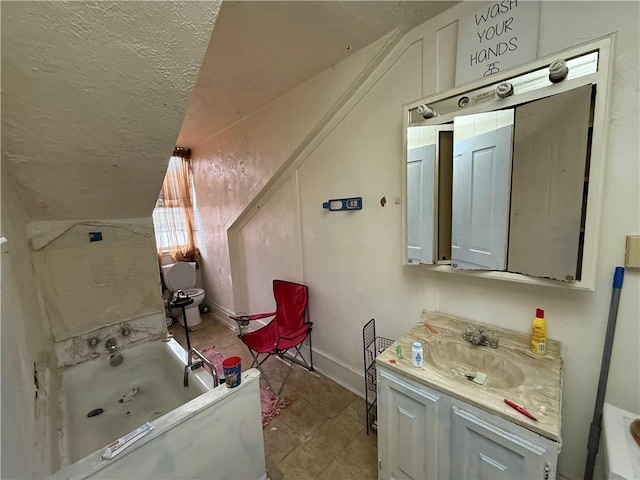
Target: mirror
<point>497,177</point>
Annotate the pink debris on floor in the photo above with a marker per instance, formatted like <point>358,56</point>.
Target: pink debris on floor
<point>270,404</point>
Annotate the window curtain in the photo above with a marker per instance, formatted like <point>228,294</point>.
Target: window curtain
<point>174,210</point>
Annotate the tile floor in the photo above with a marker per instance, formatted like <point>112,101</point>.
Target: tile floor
<point>320,435</point>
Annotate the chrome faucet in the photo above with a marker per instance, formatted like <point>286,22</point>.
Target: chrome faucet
<point>201,362</point>
<point>478,336</point>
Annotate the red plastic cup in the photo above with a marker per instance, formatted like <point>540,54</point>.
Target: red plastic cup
<point>232,371</point>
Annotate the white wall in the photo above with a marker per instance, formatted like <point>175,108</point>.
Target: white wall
<point>26,341</point>
<point>88,285</point>
<point>352,260</point>
<point>231,168</point>
<point>271,240</point>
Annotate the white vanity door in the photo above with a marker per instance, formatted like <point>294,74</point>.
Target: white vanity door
<point>482,153</point>
<point>485,451</point>
<point>409,430</point>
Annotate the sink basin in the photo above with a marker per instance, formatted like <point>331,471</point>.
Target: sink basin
<point>455,360</point>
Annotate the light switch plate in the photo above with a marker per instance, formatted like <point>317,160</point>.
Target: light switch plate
<point>632,252</point>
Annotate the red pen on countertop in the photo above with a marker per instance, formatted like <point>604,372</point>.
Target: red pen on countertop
<point>520,409</point>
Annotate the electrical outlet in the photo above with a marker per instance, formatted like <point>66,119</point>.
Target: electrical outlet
<point>632,252</point>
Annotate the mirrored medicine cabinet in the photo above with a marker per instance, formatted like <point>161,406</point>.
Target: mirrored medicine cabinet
<point>504,176</point>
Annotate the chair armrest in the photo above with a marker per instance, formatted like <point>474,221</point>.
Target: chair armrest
<point>256,316</point>
<point>243,320</point>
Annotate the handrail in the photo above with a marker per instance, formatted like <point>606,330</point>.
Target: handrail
<point>202,362</point>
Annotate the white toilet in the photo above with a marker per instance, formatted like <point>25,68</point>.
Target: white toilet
<point>182,276</point>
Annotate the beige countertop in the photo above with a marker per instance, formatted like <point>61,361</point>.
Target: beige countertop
<point>529,380</point>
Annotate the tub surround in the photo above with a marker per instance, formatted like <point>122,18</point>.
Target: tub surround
<point>84,285</point>
<point>74,350</point>
<point>540,387</point>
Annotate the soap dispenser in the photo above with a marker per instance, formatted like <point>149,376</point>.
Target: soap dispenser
<point>539,333</point>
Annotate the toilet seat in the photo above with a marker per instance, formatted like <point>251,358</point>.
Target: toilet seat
<point>194,292</point>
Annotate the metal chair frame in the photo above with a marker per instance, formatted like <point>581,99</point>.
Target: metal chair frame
<point>298,358</point>
<point>257,363</point>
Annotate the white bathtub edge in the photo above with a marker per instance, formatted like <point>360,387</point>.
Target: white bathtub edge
<point>94,463</point>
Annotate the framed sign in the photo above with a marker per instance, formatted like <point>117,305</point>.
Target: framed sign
<point>495,37</point>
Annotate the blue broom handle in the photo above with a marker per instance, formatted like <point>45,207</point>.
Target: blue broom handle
<point>596,423</point>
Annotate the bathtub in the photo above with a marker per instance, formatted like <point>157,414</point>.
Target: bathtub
<point>198,431</point>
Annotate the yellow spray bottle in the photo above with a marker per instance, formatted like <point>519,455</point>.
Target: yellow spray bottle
<point>539,333</point>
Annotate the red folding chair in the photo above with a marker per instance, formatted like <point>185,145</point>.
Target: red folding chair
<point>289,329</point>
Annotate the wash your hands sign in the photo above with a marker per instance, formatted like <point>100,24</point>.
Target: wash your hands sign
<point>495,37</point>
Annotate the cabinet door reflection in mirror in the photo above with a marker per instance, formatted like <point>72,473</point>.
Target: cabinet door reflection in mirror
<point>550,184</point>
<point>425,155</point>
<point>481,188</point>
<point>506,191</point>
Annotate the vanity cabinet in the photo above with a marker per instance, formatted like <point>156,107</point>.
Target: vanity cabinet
<point>426,434</point>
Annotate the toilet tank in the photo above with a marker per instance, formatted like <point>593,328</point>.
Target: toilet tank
<point>179,276</point>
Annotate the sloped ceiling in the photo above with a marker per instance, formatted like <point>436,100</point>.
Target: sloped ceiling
<point>93,96</point>
<point>260,50</point>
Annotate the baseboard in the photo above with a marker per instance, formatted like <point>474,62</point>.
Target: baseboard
<point>324,363</point>
<point>337,371</point>
<point>223,314</point>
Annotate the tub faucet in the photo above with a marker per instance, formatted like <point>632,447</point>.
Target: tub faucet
<point>201,362</point>
<point>111,344</point>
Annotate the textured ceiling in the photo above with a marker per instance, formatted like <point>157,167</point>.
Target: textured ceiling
<point>94,93</point>
<point>260,50</point>
<point>93,96</point>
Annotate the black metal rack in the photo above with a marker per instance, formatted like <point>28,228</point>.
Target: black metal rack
<point>372,346</point>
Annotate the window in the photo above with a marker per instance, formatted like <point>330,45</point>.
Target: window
<point>170,225</point>
<point>173,213</point>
